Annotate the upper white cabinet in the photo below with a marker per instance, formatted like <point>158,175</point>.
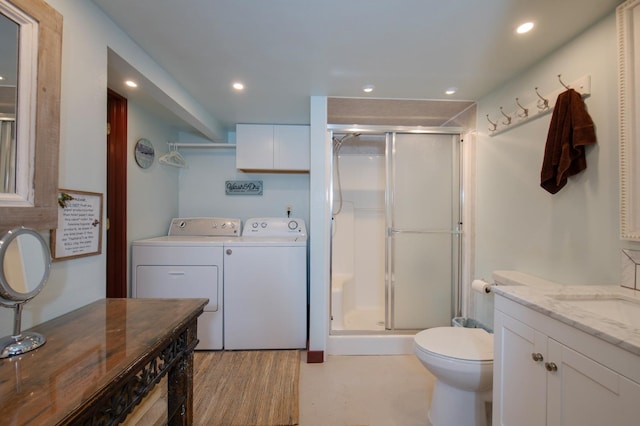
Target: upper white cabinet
<point>548,373</point>
<point>272,147</point>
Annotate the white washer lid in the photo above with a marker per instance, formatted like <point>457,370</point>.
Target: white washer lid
<point>473,344</point>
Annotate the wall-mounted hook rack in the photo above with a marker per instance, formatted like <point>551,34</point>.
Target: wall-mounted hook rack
<point>540,106</point>
<point>525,111</point>
<point>543,103</point>
<point>506,122</point>
<point>561,82</point>
<point>493,126</point>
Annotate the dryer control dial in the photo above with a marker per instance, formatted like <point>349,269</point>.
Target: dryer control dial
<point>293,225</point>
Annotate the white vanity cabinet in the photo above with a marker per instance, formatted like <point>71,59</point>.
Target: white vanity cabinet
<point>272,147</point>
<point>549,373</point>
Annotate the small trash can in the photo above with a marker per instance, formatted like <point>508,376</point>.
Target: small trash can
<point>469,323</point>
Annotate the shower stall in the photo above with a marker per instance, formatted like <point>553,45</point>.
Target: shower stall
<point>396,229</point>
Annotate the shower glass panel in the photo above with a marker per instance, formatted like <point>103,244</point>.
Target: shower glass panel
<point>423,219</point>
<point>395,231</point>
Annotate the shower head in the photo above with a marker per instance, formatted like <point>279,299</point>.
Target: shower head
<point>345,138</point>
<point>337,143</point>
<point>349,136</point>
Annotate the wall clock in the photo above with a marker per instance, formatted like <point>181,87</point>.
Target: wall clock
<point>144,153</point>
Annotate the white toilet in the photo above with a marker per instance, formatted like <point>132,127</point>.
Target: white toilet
<point>461,359</point>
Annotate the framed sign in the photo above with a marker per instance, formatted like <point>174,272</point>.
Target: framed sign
<point>243,187</point>
<point>79,231</point>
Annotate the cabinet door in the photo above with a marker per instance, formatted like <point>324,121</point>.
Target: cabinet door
<point>291,147</point>
<point>254,146</point>
<point>582,392</point>
<point>519,381</point>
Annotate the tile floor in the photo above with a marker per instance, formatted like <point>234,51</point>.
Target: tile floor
<point>365,391</point>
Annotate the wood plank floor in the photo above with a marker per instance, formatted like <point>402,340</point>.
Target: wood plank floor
<point>246,388</point>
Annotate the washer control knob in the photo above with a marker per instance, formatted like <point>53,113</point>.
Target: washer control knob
<point>224,225</point>
<point>263,224</point>
<point>182,224</point>
<point>254,225</point>
<point>293,225</point>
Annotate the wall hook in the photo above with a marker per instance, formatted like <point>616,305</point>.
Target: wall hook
<point>493,126</point>
<point>542,103</point>
<point>561,82</point>
<point>525,111</point>
<point>508,118</point>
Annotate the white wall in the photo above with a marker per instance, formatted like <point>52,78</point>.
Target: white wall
<point>358,244</point>
<point>570,237</point>
<point>87,34</point>
<point>152,194</point>
<point>202,190</point>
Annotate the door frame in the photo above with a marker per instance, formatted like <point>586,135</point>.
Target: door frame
<point>116,274</point>
<point>463,246</point>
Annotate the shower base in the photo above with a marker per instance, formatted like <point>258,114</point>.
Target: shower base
<point>362,319</point>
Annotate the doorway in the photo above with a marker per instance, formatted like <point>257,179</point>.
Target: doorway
<point>116,275</point>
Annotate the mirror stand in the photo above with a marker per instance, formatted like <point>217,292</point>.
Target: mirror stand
<point>25,262</point>
<point>19,343</point>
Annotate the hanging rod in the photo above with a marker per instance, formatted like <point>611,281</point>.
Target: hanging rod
<point>205,145</point>
<point>541,105</point>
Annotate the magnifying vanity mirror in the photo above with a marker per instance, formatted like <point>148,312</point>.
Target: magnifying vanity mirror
<point>25,261</point>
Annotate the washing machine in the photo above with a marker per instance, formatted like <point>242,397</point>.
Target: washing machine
<point>187,263</point>
<point>265,286</point>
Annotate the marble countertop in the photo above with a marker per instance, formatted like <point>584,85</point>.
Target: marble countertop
<point>609,312</point>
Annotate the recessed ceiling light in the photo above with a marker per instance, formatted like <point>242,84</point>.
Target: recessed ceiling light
<point>238,86</point>
<point>451,90</point>
<point>368,88</point>
<point>524,28</point>
<point>131,83</point>
<point>1,77</point>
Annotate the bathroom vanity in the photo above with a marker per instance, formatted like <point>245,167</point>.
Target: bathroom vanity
<point>566,355</point>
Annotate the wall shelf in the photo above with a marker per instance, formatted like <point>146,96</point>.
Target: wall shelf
<point>204,145</point>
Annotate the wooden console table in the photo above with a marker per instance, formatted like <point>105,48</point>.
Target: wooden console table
<point>101,360</point>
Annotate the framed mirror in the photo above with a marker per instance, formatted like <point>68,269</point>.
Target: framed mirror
<point>25,262</point>
<point>628,22</point>
<point>31,161</point>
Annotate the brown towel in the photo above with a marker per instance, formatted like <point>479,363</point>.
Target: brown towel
<point>570,130</point>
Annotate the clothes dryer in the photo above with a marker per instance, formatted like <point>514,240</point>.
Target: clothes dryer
<point>265,279</point>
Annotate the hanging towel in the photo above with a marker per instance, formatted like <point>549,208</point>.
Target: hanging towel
<point>570,131</point>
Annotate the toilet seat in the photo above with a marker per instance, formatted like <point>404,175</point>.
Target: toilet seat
<point>466,344</point>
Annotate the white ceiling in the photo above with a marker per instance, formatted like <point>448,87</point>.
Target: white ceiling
<point>287,50</point>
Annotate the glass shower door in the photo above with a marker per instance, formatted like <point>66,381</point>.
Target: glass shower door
<point>423,229</point>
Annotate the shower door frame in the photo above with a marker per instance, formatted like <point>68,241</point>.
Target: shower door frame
<point>389,132</point>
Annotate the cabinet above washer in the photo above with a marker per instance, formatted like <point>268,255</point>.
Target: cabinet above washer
<point>272,147</point>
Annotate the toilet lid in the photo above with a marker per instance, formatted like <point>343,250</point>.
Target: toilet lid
<point>473,344</point>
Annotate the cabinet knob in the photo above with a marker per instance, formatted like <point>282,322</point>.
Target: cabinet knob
<point>229,251</point>
<point>551,366</point>
<point>537,356</point>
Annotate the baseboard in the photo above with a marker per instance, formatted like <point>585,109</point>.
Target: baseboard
<point>315,357</point>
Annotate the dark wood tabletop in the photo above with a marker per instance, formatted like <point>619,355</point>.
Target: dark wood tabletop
<point>100,360</point>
